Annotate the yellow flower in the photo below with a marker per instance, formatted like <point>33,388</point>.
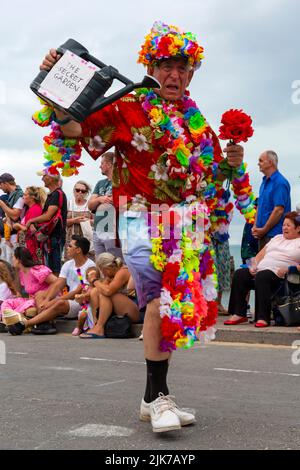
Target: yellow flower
<point>156,116</point>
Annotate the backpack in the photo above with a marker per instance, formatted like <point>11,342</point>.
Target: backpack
<point>118,327</point>
<point>45,229</point>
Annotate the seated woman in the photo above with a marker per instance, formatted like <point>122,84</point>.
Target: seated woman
<point>114,292</point>
<point>268,269</point>
<point>33,278</point>
<point>34,199</point>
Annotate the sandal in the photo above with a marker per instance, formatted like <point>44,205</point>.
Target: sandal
<point>11,317</point>
<point>222,311</point>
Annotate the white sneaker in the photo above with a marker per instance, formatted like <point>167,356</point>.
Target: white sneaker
<point>185,417</point>
<point>163,418</point>
<point>141,337</point>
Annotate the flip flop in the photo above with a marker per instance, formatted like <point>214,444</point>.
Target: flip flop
<point>91,336</point>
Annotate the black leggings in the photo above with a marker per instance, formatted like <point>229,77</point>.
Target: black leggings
<point>265,283</point>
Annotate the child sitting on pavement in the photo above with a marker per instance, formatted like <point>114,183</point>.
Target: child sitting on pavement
<point>89,299</point>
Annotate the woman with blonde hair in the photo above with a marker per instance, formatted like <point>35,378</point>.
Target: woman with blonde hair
<point>115,294</point>
<point>34,200</point>
<point>79,217</point>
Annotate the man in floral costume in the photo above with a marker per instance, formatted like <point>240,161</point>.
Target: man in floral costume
<point>167,163</point>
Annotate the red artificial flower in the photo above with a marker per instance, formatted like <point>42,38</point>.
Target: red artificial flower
<point>236,126</point>
<point>170,329</point>
<point>164,140</point>
<point>163,47</point>
<point>170,276</point>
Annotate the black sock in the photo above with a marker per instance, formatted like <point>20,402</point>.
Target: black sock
<point>156,379</point>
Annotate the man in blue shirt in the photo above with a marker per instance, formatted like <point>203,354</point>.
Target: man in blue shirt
<point>274,200</point>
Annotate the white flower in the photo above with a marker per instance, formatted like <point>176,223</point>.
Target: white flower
<point>208,335</point>
<point>138,203</point>
<point>176,257</point>
<point>165,298</point>
<point>139,142</point>
<point>96,143</point>
<point>165,311</point>
<point>209,290</point>
<point>191,198</point>
<point>160,173</point>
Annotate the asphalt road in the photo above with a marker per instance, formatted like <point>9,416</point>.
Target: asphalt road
<point>60,392</point>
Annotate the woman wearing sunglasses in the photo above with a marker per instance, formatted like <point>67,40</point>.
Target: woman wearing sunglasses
<point>79,218</point>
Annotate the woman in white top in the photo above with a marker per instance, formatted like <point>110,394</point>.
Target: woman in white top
<point>265,274</point>
<point>79,218</point>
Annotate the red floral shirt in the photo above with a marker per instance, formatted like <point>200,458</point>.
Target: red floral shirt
<point>137,175</point>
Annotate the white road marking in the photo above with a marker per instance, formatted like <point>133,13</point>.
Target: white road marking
<point>63,368</point>
<point>255,372</point>
<point>101,430</point>
<point>18,353</point>
<point>110,383</point>
<point>110,360</point>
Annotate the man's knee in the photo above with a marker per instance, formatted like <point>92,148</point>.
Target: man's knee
<point>61,307</point>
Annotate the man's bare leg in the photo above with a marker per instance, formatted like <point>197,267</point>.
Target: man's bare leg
<point>163,412</point>
<point>152,333</point>
<point>59,307</point>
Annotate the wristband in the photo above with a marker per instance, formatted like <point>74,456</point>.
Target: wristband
<point>62,122</point>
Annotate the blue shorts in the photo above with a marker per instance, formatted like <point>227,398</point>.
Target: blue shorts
<point>137,248</point>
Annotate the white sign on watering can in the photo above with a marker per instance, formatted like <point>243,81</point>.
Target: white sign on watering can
<point>67,79</point>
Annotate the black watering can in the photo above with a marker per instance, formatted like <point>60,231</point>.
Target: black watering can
<point>85,90</point>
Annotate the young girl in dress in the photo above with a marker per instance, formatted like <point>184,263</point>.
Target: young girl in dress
<point>33,278</point>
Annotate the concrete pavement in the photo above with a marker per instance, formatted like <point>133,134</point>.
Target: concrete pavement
<point>60,392</point>
<point>245,333</point>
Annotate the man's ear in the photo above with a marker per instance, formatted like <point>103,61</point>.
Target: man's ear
<point>150,70</point>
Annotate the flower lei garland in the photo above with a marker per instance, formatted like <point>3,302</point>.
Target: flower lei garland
<point>167,120</point>
<point>165,41</point>
<point>184,300</point>
<point>185,294</point>
<point>61,154</point>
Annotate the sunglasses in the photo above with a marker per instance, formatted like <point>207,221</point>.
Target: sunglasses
<point>83,191</point>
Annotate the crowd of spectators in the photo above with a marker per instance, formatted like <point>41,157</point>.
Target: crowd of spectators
<point>56,259</point>
<point>60,257</point>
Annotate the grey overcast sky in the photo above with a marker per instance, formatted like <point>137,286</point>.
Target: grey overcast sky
<point>251,62</point>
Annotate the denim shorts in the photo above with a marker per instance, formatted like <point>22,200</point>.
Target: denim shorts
<point>137,248</point>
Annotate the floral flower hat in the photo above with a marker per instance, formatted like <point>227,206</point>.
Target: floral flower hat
<point>166,41</point>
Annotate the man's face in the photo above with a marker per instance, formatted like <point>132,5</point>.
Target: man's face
<point>72,249</point>
<point>46,180</point>
<point>4,187</point>
<point>105,167</point>
<point>174,75</point>
<point>264,163</point>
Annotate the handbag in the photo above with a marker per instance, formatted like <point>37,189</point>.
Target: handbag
<point>118,327</point>
<point>45,229</point>
<point>288,307</point>
<point>87,232</point>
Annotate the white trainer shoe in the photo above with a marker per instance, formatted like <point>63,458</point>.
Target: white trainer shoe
<point>162,416</point>
<point>185,417</point>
